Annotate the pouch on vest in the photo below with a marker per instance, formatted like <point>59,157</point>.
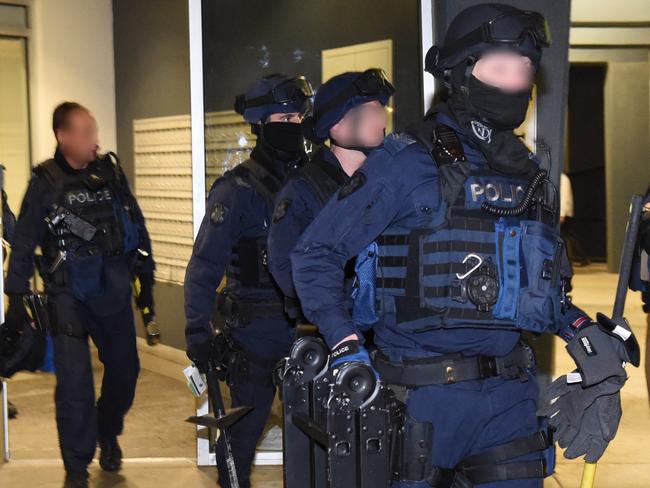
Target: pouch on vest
<point>86,275</point>
<point>364,293</point>
<point>529,260</point>
<point>131,231</point>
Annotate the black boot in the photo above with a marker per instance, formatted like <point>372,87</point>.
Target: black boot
<point>76,479</point>
<point>12,411</point>
<point>110,458</point>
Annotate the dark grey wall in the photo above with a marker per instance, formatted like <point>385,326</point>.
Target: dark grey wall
<point>152,79</point>
<point>152,64</point>
<point>244,40</point>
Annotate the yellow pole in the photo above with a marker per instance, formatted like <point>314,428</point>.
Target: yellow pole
<point>588,475</point>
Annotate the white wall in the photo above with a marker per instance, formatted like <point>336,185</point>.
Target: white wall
<point>71,59</point>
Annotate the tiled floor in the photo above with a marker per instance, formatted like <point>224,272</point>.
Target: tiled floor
<point>160,447</point>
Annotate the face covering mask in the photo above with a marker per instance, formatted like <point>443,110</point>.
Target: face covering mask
<point>489,123</point>
<point>502,110</point>
<point>284,137</point>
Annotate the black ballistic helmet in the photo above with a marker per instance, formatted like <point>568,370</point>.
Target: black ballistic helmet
<point>487,27</point>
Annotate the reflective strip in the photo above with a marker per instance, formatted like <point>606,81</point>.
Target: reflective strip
<point>622,332</point>
<point>573,378</point>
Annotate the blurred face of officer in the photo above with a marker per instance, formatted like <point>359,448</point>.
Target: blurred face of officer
<point>509,71</point>
<point>363,125</point>
<point>78,138</point>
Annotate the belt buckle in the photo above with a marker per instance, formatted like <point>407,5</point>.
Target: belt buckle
<point>449,371</point>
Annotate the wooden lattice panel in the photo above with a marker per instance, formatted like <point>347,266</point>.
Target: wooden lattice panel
<point>228,142</point>
<point>163,186</point>
<point>163,178</point>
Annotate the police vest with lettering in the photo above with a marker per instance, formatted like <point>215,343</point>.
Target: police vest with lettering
<point>91,196</point>
<point>468,268</point>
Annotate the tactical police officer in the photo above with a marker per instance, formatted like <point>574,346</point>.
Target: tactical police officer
<point>79,209</point>
<point>350,111</point>
<point>469,256</point>
<point>232,239</point>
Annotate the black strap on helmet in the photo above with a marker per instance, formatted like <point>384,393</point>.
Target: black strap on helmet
<point>294,90</point>
<point>506,29</point>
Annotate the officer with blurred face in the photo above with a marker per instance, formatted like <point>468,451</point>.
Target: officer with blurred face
<point>80,210</point>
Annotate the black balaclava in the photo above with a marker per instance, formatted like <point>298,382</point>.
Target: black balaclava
<point>488,116</point>
<point>283,141</point>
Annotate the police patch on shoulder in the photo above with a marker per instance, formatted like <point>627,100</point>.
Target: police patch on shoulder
<point>240,181</point>
<point>356,181</point>
<point>281,210</point>
<point>218,213</point>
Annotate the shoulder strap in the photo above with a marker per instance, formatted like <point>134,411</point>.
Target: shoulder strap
<point>263,180</point>
<point>52,173</point>
<point>446,150</point>
<point>322,178</point>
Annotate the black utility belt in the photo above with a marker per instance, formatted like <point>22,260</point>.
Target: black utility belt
<point>231,307</point>
<point>453,368</point>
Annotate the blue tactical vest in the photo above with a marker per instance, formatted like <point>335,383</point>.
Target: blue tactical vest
<point>466,267</point>
<point>249,264</point>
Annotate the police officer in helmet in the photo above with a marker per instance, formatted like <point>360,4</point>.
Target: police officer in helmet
<point>350,112</point>
<point>232,240</point>
<point>469,257</point>
<point>79,209</point>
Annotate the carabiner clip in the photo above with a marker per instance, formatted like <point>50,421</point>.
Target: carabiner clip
<point>467,258</point>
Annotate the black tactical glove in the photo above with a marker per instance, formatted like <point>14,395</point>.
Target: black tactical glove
<point>16,316</point>
<point>221,354</point>
<point>199,353</point>
<point>144,299</point>
<point>585,420</point>
<point>600,350</point>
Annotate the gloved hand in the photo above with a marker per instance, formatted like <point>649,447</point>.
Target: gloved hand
<point>144,298</point>
<point>144,301</point>
<point>221,353</point>
<point>348,351</point>
<point>16,316</point>
<point>599,350</point>
<point>585,420</point>
<point>199,353</point>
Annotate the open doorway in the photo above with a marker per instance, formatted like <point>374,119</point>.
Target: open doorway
<point>585,162</point>
<point>14,117</point>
